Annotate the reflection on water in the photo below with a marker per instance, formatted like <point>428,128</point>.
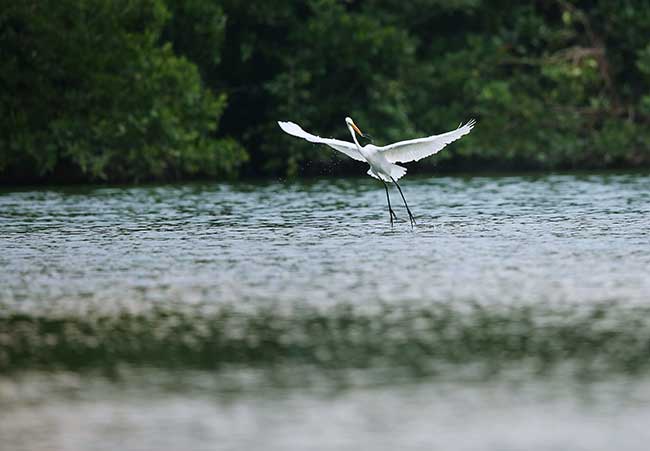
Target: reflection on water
<point>596,340</point>
<point>291,316</point>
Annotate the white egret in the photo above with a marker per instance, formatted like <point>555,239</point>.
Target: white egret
<point>382,159</point>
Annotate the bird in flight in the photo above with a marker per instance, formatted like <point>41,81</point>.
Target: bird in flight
<point>382,159</point>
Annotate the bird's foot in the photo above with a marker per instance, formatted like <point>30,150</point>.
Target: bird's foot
<point>411,218</point>
<point>392,216</point>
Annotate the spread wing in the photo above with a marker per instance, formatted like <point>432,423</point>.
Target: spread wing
<point>345,147</point>
<point>416,149</point>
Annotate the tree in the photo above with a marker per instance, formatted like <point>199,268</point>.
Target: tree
<point>89,92</point>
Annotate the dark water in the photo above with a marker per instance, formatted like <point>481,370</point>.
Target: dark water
<point>292,316</point>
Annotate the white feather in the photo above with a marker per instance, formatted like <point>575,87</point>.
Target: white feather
<point>417,149</point>
<point>345,147</point>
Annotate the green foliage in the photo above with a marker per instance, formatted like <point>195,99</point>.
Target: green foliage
<point>555,84</point>
<point>350,64</point>
<point>90,92</point>
<point>136,89</point>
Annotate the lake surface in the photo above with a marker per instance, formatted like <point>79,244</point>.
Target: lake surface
<point>287,315</point>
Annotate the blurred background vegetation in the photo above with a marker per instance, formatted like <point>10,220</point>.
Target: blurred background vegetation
<point>136,90</point>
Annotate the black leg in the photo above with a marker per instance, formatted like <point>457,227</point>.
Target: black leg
<point>390,209</point>
<point>411,218</point>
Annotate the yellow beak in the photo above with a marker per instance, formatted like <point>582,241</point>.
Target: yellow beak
<point>356,129</point>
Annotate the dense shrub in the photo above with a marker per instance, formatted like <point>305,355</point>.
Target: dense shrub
<point>89,91</point>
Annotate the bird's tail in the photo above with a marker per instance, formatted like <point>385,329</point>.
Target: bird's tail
<point>396,173</point>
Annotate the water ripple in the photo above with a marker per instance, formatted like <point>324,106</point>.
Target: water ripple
<point>564,238</point>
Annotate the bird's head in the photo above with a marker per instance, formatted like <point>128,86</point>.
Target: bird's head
<point>352,125</point>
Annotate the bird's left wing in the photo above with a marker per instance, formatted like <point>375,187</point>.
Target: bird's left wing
<point>345,147</point>
<point>416,149</point>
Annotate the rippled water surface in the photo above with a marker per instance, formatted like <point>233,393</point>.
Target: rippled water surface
<point>505,239</point>
<point>292,316</point>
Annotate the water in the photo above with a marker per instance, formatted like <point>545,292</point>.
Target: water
<point>292,316</point>
<point>507,239</point>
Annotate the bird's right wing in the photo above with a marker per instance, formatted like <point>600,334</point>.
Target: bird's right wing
<point>416,149</point>
<point>345,147</point>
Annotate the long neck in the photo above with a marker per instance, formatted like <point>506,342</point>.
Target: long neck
<point>354,138</point>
